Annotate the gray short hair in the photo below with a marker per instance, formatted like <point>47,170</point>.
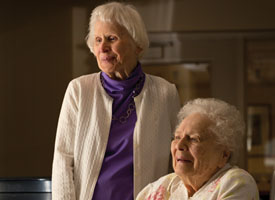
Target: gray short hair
<point>126,16</point>
<point>228,123</point>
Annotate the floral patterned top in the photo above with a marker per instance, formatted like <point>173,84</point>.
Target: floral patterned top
<point>230,183</point>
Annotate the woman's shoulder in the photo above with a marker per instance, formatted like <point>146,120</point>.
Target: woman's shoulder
<point>238,181</point>
<point>167,179</point>
<point>238,173</point>
<point>164,181</point>
<point>240,178</point>
<point>230,183</point>
<point>160,187</point>
<point>83,84</point>
<point>84,81</point>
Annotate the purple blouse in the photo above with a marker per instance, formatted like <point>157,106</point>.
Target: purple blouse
<point>115,180</point>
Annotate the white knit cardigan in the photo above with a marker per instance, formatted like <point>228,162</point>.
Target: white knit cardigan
<point>83,130</point>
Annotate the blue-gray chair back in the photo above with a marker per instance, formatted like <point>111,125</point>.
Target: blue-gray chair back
<point>25,189</point>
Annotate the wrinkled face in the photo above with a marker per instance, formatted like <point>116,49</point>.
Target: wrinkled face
<point>115,50</point>
<point>194,151</point>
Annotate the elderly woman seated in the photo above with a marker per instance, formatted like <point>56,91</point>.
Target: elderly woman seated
<point>205,147</point>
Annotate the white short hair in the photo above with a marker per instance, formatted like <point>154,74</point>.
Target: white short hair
<point>228,123</point>
<point>126,16</point>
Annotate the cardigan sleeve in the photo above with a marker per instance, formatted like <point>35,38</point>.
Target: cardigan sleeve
<point>63,162</point>
<point>174,106</point>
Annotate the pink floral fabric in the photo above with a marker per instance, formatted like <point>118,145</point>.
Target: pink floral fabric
<point>158,195</point>
<point>229,183</point>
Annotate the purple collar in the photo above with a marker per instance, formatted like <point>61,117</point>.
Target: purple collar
<point>123,88</point>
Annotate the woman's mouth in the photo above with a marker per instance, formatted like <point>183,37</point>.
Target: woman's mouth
<point>183,160</point>
<point>108,58</point>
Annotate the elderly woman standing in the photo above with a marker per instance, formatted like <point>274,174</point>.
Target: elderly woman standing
<point>205,148</point>
<point>114,123</point>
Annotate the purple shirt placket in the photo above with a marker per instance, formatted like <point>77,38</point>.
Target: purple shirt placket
<point>115,180</point>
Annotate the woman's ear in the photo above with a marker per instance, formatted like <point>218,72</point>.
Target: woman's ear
<point>225,157</point>
<point>138,50</point>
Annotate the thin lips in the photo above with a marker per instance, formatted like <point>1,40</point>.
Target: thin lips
<point>180,158</point>
<point>108,58</point>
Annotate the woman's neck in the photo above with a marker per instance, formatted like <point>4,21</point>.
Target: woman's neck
<point>124,72</point>
<point>194,183</point>
<point>192,186</point>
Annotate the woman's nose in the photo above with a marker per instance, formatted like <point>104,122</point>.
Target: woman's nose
<point>182,145</point>
<point>104,47</point>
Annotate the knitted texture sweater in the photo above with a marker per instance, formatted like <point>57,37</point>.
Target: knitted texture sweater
<point>83,129</point>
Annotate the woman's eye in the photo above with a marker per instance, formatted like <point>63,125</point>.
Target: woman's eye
<point>194,139</point>
<point>98,40</point>
<point>111,38</point>
<point>176,137</point>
